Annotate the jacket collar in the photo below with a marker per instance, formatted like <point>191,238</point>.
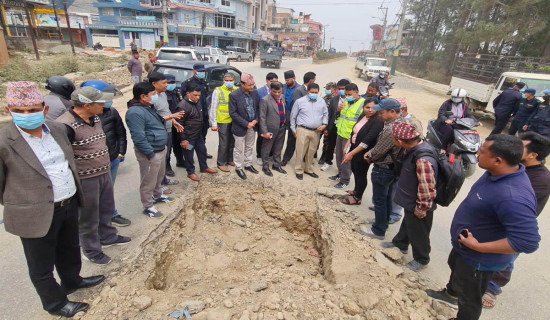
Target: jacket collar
<point>489,177</point>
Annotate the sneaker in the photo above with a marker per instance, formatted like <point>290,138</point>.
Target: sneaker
<point>415,265</point>
<point>340,185</point>
<point>371,208</point>
<point>164,199</point>
<point>393,220</point>
<point>120,241</point>
<point>443,296</point>
<point>388,245</point>
<point>325,166</point>
<point>259,161</point>
<point>101,258</point>
<point>334,178</point>
<point>152,212</point>
<point>367,231</point>
<point>120,221</point>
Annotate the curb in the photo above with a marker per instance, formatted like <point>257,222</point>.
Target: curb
<point>434,87</point>
<point>315,61</point>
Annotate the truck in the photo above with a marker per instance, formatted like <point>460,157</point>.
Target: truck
<point>485,76</point>
<point>369,66</point>
<point>271,56</point>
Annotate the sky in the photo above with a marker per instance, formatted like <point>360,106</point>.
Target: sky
<point>348,21</point>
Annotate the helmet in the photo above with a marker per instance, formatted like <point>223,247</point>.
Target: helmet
<point>382,74</point>
<point>547,91</point>
<point>60,85</point>
<point>101,86</point>
<point>458,95</point>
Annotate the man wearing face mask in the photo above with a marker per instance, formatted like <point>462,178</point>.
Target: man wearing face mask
<point>262,92</point>
<point>525,108</point>
<point>59,98</point>
<point>41,192</point>
<point>350,112</point>
<point>221,121</point>
<point>380,80</point>
<point>539,121</point>
<point>272,127</point>
<point>199,80</point>
<point>308,120</point>
<point>91,156</point>
<point>149,136</point>
<point>173,96</point>
<point>458,106</point>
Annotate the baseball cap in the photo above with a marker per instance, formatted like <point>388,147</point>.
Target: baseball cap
<point>387,104</point>
<point>90,95</point>
<point>520,84</point>
<point>530,90</point>
<point>198,67</point>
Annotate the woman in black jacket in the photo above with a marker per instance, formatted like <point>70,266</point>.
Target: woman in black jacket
<point>363,138</point>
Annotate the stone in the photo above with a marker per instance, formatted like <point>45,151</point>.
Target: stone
<point>331,193</point>
<point>245,315</point>
<point>385,263</point>
<point>331,304</point>
<point>258,286</point>
<point>248,224</point>
<point>393,254</point>
<point>368,301</point>
<point>376,314</point>
<point>228,303</point>
<point>415,316</point>
<point>351,308</point>
<point>241,247</point>
<point>235,292</point>
<point>194,306</point>
<point>142,302</point>
<point>280,316</point>
<point>238,222</point>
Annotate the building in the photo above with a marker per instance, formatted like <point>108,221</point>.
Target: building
<point>297,33</point>
<point>386,40</point>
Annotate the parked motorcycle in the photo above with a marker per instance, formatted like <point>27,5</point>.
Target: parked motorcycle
<point>466,142</point>
<point>97,46</point>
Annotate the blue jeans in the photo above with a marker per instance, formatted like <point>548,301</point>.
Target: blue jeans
<point>114,169</point>
<point>396,210</point>
<point>382,181</point>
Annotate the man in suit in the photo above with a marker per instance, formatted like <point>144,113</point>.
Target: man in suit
<point>273,127</point>
<point>40,192</point>
<point>243,109</point>
<point>262,92</point>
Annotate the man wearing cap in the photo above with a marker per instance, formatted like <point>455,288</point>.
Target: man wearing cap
<point>289,87</point>
<point>521,114</point>
<point>243,109</point>
<point>221,121</point>
<point>415,192</point>
<point>383,175</point>
<point>92,161</point>
<point>539,121</point>
<point>135,67</point>
<point>40,192</point>
<point>505,104</point>
<point>173,96</point>
<point>199,80</point>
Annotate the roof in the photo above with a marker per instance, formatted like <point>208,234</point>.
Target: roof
<point>540,76</point>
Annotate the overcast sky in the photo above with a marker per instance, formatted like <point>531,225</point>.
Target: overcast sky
<point>349,20</point>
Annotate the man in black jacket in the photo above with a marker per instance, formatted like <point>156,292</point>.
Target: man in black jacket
<point>191,138</point>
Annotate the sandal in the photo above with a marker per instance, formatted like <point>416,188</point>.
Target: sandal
<point>171,182</point>
<point>488,300</point>
<point>351,192</point>
<point>348,201</point>
<point>165,190</point>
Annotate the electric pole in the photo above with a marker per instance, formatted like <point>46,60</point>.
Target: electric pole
<point>383,41</point>
<point>399,36</point>
<point>164,22</point>
<point>57,20</point>
<point>324,34</point>
<point>68,25</point>
<point>31,31</point>
<point>203,26</point>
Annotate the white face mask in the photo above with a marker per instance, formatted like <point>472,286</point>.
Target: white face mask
<point>456,100</point>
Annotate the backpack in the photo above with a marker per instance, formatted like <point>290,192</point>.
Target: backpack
<point>450,175</point>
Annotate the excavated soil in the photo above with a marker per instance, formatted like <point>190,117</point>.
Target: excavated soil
<point>256,250</point>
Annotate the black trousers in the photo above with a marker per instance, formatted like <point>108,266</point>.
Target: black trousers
<point>329,143</point>
<point>415,232</point>
<point>501,120</point>
<point>178,151</point>
<point>359,168</point>
<point>290,146</point>
<point>199,147</point>
<point>469,285</point>
<point>59,248</point>
<point>259,141</point>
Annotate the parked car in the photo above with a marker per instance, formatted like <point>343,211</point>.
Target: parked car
<point>238,53</point>
<point>213,54</point>
<point>166,54</point>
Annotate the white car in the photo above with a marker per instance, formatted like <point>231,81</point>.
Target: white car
<point>212,54</point>
<point>238,53</point>
<point>166,54</point>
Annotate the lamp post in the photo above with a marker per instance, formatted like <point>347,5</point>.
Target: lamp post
<point>330,43</point>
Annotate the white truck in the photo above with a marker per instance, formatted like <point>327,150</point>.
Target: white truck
<point>484,77</point>
<point>370,66</point>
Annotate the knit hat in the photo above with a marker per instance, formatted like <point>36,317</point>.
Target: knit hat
<point>402,101</point>
<point>247,78</point>
<point>23,94</point>
<point>403,131</point>
<point>90,95</point>
<point>289,74</point>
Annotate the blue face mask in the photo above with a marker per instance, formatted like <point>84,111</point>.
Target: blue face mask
<point>342,92</point>
<point>350,98</point>
<point>171,87</point>
<point>154,98</point>
<point>28,120</point>
<point>108,104</point>
<point>201,75</point>
<point>313,96</point>
<point>328,92</point>
<point>229,84</point>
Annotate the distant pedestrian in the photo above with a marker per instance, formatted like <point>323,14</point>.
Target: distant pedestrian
<point>505,104</point>
<point>133,45</point>
<point>59,98</point>
<point>149,64</point>
<point>135,68</point>
<point>253,55</point>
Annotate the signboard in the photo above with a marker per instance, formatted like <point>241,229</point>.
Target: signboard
<point>146,18</point>
<point>293,20</point>
<point>46,20</point>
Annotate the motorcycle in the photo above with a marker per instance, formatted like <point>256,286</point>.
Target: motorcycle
<point>98,46</point>
<point>466,142</point>
<point>385,91</point>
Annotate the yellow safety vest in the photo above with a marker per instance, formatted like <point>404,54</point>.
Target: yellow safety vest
<point>348,117</point>
<point>222,112</point>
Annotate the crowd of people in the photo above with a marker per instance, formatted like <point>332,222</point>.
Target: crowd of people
<point>59,159</point>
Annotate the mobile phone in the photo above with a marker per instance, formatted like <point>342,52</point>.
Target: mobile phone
<point>271,135</point>
<point>190,146</point>
<point>348,148</point>
<point>464,233</point>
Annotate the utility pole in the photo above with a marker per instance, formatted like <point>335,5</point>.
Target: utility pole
<point>324,34</point>
<point>383,41</point>
<point>57,20</point>
<point>164,22</point>
<point>31,31</point>
<point>203,26</point>
<point>399,36</point>
<point>68,25</point>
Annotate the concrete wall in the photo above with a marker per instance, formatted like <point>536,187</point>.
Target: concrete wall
<point>4,57</point>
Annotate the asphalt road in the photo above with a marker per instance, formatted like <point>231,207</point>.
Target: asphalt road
<point>523,298</point>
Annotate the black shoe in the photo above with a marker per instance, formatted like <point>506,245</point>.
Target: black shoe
<point>85,283</point>
<point>321,161</point>
<point>251,169</point>
<point>279,169</point>
<point>334,178</point>
<point>312,174</point>
<point>241,173</point>
<point>120,221</point>
<point>209,156</point>
<point>443,296</point>
<point>267,172</point>
<point>283,163</point>
<point>70,309</point>
<point>180,165</point>
<point>299,176</point>
<point>169,172</point>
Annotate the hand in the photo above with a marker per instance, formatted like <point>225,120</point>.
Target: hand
<point>525,127</point>
<point>321,128</point>
<point>255,122</point>
<point>250,125</point>
<point>448,121</point>
<point>214,128</point>
<point>184,144</point>
<point>325,133</point>
<point>469,242</point>
<point>341,106</point>
<point>347,157</point>
<point>178,115</point>
<point>178,126</point>
<point>294,133</point>
<point>480,124</point>
<point>267,135</point>
<point>120,156</point>
<point>419,214</point>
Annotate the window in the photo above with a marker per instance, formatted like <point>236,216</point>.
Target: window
<point>175,55</point>
<point>224,21</point>
<point>155,3</point>
<point>226,3</point>
<point>180,74</point>
<point>186,18</point>
<point>204,1</point>
<point>107,11</point>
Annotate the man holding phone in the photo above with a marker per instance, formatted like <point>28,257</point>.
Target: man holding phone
<point>273,127</point>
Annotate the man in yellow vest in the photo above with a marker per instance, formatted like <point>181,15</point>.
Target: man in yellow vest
<point>221,121</point>
<point>350,111</point>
